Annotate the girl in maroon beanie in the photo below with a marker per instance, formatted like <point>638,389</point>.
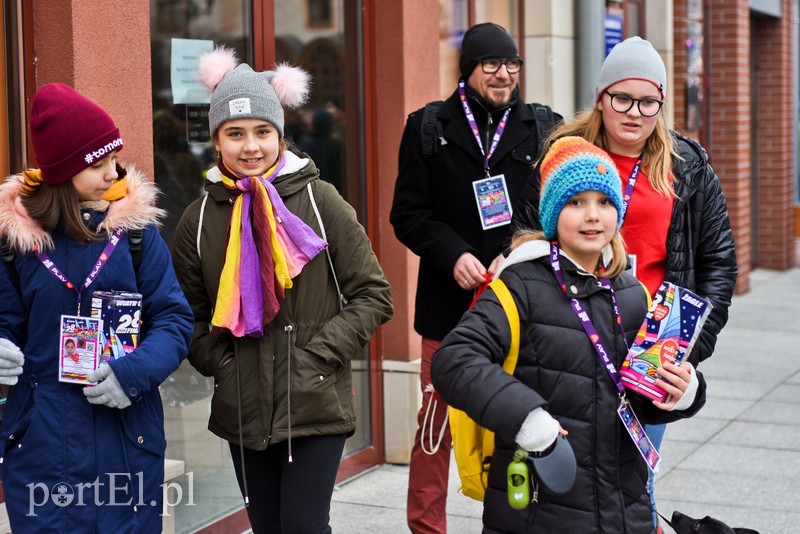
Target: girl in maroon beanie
<point>83,444</point>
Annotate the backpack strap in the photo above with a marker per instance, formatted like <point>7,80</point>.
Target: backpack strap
<point>545,121</point>
<point>431,130</point>
<point>7,253</point>
<point>135,236</point>
<point>342,298</point>
<point>512,314</point>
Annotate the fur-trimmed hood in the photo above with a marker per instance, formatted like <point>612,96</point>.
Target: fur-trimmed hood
<point>136,209</point>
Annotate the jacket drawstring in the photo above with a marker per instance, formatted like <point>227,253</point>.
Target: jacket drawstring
<point>288,329</point>
<point>239,413</point>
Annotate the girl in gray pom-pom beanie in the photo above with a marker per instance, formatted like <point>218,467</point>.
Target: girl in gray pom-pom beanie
<point>286,292</point>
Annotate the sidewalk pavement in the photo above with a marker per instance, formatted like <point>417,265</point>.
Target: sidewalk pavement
<point>738,460</point>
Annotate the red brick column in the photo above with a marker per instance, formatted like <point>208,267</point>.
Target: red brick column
<point>775,139</point>
<point>727,35</point>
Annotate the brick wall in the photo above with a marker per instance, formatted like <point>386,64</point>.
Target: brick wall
<point>727,39</point>
<point>774,140</point>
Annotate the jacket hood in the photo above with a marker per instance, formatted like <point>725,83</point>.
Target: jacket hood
<point>538,248</point>
<point>136,209</point>
<point>295,174</point>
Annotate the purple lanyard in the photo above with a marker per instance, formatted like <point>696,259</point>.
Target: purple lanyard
<point>53,269</point>
<point>631,184</point>
<point>501,126</point>
<point>591,331</point>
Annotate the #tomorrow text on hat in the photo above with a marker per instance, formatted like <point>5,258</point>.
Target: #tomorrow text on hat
<point>573,165</point>
<point>484,41</point>
<point>239,92</point>
<point>69,132</point>
<point>632,59</point>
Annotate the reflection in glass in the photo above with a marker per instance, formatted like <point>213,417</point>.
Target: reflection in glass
<point>182,152</point>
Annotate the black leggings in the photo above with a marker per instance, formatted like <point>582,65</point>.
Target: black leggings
<point>291,497</point>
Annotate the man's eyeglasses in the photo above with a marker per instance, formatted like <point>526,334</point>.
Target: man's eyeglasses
<point>648,107</point>
<point>490,66</point>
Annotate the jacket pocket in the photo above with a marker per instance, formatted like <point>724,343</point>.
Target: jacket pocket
<point>525,154</point>
<point>313,389</point>
<point>143,424</point>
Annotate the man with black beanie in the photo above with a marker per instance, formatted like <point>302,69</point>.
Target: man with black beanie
<point>462,166</point>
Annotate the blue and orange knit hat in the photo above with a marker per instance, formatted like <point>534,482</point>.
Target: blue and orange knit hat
<point>572,165</point>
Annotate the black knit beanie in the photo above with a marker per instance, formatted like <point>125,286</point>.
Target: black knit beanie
<point>483,41</point>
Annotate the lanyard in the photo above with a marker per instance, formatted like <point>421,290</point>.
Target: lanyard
<point>591,331</point>
<point>53,269</point>
<point>501,126</point>
<point>631,184</point>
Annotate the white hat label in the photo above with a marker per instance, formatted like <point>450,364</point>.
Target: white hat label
<point>239,106</point>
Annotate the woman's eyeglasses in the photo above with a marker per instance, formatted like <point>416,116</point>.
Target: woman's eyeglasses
<point>648,107</point>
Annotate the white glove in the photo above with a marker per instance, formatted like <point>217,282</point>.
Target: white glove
<point>11,362</point>
<point>538,431</point>
<point>108,392</point>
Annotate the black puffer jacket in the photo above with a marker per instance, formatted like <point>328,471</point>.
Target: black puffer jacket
<point>700,248</point>
<point>559,370</point>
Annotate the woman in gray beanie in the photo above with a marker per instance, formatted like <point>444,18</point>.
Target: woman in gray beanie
<point>676,225</point>
<point>285,290</point>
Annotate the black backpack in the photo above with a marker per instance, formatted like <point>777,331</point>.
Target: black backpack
<point>432,134</point>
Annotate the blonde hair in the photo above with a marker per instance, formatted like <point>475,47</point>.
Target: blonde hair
<point>619,258</point>
<point>659,149</point>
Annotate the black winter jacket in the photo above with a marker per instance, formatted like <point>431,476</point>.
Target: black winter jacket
<point>700,248</point>
<point>558,370</point>
<point>434,212</point>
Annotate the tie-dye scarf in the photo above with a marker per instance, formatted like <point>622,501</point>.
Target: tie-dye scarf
<point>268,246</point>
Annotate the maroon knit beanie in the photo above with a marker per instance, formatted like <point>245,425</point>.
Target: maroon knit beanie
<point>69,132</point>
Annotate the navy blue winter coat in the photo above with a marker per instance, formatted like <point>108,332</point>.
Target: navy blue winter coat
<point>62,455</point>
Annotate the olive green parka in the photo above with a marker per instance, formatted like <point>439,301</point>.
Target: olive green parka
<point>296,380</point>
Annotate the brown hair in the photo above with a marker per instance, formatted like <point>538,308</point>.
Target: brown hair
<point>659,149</point>
<point>619,259</point>
<point>48,204</point>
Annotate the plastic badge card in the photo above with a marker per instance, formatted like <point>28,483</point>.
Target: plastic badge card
<point>79,349</point>
<point>494,207</point>
<point>668,333</point>
<point>120,312</point>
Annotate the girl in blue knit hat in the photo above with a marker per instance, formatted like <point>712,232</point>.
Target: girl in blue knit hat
<point>579,310</point>
<point>676,225</point>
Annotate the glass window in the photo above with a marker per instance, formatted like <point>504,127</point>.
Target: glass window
<point>329,127</point>
<point>182,152</point>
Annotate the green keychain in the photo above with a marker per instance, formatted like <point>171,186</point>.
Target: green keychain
<point>518,477</point>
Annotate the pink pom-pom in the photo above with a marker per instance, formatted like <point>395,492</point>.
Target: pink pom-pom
<point>214,65</point>
<point>291,85</point>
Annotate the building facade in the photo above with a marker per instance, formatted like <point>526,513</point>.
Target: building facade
<point>732,85</point>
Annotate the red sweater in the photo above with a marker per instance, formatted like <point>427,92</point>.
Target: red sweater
<point>646,224</point>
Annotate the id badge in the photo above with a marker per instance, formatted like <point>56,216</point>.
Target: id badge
<point>636,432</point>
<point>494,206</point>
<point>79,348</point>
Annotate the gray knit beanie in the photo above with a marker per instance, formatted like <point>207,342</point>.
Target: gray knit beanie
<point>238,92</point>
<point>633,58</point>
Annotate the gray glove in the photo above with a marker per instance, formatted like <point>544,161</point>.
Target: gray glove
<point>108,392</point>
<point>11,362</point>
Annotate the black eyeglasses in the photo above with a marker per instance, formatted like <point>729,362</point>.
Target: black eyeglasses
<point>648,107</point>
<point>490,66</point>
